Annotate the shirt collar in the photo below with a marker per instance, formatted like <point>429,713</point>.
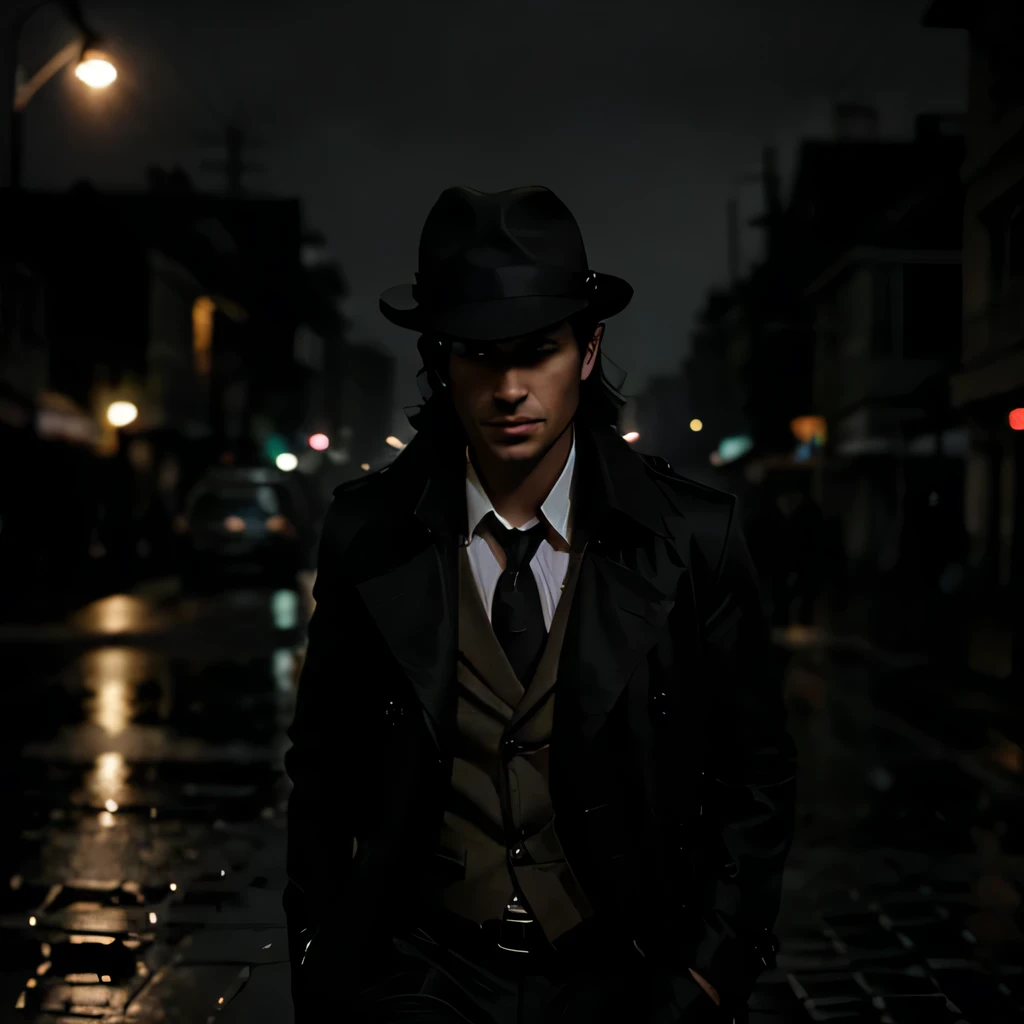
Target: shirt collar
<point>556,509</point>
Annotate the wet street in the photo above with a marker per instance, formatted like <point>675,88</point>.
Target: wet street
<point>143,845</point>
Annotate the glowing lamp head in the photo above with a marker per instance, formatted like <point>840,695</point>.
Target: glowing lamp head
<point>696,425</point>
<point>319,442</point>
<point>120,414</point>
<point>96,69</point>
<point>286,462</point>
<point>631,438</point>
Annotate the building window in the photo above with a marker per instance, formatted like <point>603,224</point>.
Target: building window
<point>202,334</point>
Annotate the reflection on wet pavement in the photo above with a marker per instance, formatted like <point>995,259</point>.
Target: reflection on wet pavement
<point>149,803</point>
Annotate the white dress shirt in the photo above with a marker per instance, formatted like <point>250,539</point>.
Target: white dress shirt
<point>549,565</point>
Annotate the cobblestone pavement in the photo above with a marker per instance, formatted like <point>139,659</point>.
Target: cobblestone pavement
<point>903,892</point>
<point>143,844</point>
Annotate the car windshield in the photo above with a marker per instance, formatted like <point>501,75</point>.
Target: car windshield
<point>250,503</point>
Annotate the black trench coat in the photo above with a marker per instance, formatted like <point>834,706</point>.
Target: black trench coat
<point>672,772</point>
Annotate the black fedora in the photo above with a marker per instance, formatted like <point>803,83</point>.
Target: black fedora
<point>496,265</point>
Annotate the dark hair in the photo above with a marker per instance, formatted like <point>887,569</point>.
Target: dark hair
<point>600,400</point>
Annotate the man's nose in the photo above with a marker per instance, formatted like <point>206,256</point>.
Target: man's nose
<point>510,389</point>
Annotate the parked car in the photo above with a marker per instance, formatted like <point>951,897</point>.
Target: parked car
<point>242,525</point>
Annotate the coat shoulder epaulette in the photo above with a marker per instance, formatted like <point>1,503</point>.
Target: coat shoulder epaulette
<point>359,483</point>
<point>708,510</point>
<point>353,507</point>
<point>660,469</point>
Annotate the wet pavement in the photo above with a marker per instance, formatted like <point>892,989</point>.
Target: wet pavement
<point>142,849</point>
<point>142,852</point>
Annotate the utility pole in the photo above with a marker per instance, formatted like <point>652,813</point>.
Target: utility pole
<point>734,244</point>
<point>733,239</point>
<point>234,166</point>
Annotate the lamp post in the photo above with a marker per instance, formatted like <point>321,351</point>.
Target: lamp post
<point>94,68</point>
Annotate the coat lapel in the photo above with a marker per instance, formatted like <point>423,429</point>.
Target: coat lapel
<point>412,608</point>
<point>414,601</point>
<point>614,622</point>
<point>628,579</point>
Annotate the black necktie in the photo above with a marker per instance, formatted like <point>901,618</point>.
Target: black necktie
<point>516,613</point>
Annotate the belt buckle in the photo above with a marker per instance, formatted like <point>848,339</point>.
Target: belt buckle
<point>514,933</point>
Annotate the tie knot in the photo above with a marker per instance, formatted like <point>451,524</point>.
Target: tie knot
<point>519,545</point>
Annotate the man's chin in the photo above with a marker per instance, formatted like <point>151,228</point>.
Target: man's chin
<point>517,449</point>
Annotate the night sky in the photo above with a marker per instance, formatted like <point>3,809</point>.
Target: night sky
<point>641,114</point>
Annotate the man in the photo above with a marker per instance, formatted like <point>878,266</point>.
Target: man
<point>540,764</point>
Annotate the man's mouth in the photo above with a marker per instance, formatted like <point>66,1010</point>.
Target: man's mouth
<point>513,427</point>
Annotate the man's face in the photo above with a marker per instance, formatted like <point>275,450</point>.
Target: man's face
<point>515,398</point>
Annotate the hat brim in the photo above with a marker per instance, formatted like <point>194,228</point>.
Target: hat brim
<point>498,319</point>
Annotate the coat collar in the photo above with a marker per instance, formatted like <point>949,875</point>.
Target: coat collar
<point>556,509</point>
<point>613,483</point>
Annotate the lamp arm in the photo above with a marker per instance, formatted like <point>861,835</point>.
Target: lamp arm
<point>25,91</point>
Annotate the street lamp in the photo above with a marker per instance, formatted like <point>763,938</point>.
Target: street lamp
<point>94,68</point>
<point>120,414</point>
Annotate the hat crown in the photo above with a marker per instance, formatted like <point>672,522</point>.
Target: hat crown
<point>527,226</point>
<point>501,264</point>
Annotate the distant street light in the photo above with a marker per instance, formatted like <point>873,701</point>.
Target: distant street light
<point>319,442</point>
<point>696,425</point>
<point>1017,419</point>
<point>286,462</point>
<point>120,414</point>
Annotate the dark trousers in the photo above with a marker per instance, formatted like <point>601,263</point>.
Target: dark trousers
<point>436,977</point>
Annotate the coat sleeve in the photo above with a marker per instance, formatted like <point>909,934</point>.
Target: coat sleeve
<point>319,826</point>
<point>748,785</point>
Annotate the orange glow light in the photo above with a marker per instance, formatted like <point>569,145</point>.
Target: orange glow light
<point>809,428</point>
<point>279,524</point>
<point>1017,419</point>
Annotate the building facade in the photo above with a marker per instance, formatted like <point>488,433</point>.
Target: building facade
<point>990,382</point>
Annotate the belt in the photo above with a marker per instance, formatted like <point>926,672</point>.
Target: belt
<point>511,947</point>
